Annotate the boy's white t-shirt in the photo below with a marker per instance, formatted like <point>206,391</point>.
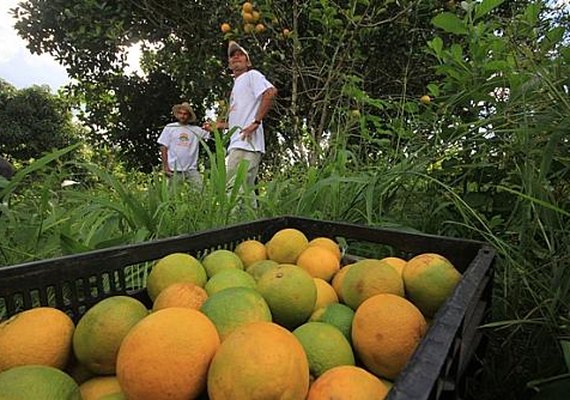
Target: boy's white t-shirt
<point>182,143</point>
<point>244,103</point>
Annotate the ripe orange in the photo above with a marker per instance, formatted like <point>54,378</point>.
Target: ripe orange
<point>247,7</point>
<point>347,382</point>
<point>325,294</point>
<point>259,28</point>
<point>247,17</point>
<point>325,346</point>
<point>99,386</point>
<point>367,278</point>
<point>286,245</point>
<point>386,330</point>
<point>337,280</point>
<point>40,336</point>
<point>250,252</point>
<point>184,294</point>
<point>220,260</point>
<point>248,28</point>
<point>101,330</point>
<point>233,307</point>
<point>225,27</point>
<point>396,262</point>
<point>290,293</point>
<point>429,280</point>
<point>256,15</point>
<point>166,355</point>
<point>425,99</point>
<point>328,243</point>
<point>319,262</point>
<point>259,361</point>
<point>175,268</point>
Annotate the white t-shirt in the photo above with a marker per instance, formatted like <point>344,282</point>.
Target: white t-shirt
<point>244,103</point>
<point>182,143</point>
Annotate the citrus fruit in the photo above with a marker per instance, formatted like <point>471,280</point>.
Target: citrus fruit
<point>338,315</point>
<point>259,268</point>
<point>184,294</point>
<point>247,17</point>
<point>325,346</point>
<point>247,7</point>
<point>259,361</point>
<point>327,243</point>
<point>319,262</point>
<point>166,355</point>
<point>325,294</point>
<point>251,251</point>
<point>113,396</point>
<point>227,279</point>
<point>396,262</point>
<point>233,307</point>
<point>346,383</point>
<point>429,280</point>
<point>220,260</point>
<point>286,245</point>
<point>367,278</point>
<point>27,382</point>
<point>99,386</point>
<point>259,28</point>
<point>385,332</point>
<point>225,27</point>
<point>337,280</point>
<point>101,330</point>
<point>290,293</point>
<point>40,336</point>
<point>174,268</point>
<point>425,99</point>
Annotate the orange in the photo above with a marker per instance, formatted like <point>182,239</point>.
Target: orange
<point>367,278</point>
<point>175,268</point>
<point>247,7</point>
<point>347,383</point>
<point>338,315</point>
<point>325,294</point>
<point>247,17</point>
<point>225,27</point>
<point>259,361</point>
<point>166,355</point>
<point>220,260</point>
<point>319,262</point>
<point>337,280</point>
<point>325,346</point>
<point>259,268</point>
<point>290,293</point>
<point>429,280</point>
<point>40,336</point>
<point>386,330</point>
<point>101,330</point>
<point>99,386</point>
<point>328,243</point>
<point>286,245</point>
<point>251,251</point>
<point>37,382</point>
<point>259,28</point>
<point>229,278</point>
<point>234,307</point>
<point>113,396</point>
<point>182,294</point>
<point>396,262</point>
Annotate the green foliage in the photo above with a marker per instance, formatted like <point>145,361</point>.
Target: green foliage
<point>33,121</point>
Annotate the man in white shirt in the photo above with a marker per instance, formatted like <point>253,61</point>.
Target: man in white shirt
<point>250,100</point>
<point>180,144</point>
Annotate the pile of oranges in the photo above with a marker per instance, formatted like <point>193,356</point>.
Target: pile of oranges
<point>284,319</point>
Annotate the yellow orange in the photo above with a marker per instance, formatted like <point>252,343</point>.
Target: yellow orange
<point>319,262</point>
<point>167,354</point>
<point>328,243</point>
<point>325,294</point>
<point>247,7</point>
<point>40,336</point>
<point>175,268</point>
<point>259,268</point>
<point>386,330</point>
<point>250,252</point>
<point>99,386</point>
<point>225,27</point>
<point>396,262</point>
<point>367,278</point>
<point>347,383</point>
<point>259,361</point>
<point>337,280</point>
<point>184,294</point>
<point>286,245</point>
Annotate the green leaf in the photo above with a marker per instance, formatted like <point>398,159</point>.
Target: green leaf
<point>450,23</point>
<point>486,7</point>
<point>437,46</point>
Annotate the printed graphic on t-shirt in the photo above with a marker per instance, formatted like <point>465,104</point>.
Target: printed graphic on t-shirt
<point>183,140</point>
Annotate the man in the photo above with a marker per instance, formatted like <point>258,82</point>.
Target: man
<point>250,101</point>
<point>180,144</point>
<point>6,169</point>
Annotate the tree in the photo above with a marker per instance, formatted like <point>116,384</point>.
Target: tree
<point>33,121</point>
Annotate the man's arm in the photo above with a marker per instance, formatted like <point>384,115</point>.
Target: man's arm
<point>164,156</point>
<point>264,107</point>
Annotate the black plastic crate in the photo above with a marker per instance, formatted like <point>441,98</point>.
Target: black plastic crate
<point>438,367</point>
